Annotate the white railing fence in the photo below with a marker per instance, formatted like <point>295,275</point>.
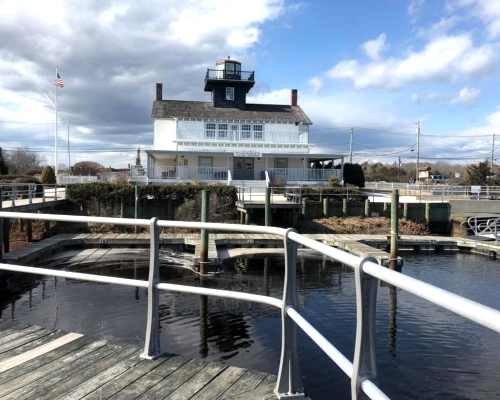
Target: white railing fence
<point>14,192</point>
<point>362,371</point>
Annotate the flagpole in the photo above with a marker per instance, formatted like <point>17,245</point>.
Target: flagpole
<point>55,147</point>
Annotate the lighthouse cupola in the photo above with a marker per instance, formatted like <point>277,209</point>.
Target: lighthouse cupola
<point>229,84</point>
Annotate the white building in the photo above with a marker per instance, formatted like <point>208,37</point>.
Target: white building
<point>229,140</point>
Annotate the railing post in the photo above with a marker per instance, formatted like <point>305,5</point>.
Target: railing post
<point>14,195</point>
<point>152,347</point>
<point>364,363</point>
<point>1,224</point>
<point>289,384</point>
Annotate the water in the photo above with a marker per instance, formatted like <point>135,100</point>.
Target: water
<point>423,352</point>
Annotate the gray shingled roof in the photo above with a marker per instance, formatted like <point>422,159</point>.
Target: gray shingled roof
<point>252,112</point>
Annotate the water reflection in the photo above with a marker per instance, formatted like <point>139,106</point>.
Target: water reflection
<point>423,352</point>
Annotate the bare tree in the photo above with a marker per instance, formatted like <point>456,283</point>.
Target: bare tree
<point>87,168</point>
<point>23,160</point>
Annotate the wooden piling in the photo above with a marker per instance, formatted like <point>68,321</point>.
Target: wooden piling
<point>393,261</point>
<point>325,208</point>
<point>205,210</point>
<point>136,209</point>
<point>268,215</point>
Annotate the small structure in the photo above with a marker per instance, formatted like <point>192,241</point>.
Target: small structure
<point>423,174</point>
<point>228,139</point>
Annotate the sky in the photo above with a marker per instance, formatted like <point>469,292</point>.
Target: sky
<point>373,66</point>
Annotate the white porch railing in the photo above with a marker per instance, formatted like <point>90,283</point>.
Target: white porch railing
<point>362,371</point>
<point>303,174</point>
<point>188,173</point>
<point>200,135</point>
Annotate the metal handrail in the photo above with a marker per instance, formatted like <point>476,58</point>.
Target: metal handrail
<point>16,191</point>
<point>362,371</point>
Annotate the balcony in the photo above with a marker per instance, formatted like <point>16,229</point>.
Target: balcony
<point>232,75</point>
<point>267,137</point>
<point>236,77</point>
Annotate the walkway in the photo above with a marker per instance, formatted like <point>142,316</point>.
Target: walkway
<point>39,363</point>
<point>20,205</point>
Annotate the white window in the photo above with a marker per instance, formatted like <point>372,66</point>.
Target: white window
<point>210,130</point>
<point>206,162</point>
<point>246,132</point>
<point>234,132</point>
<point>258,132</point>
<point>222,131</point>
<point>230,68</point>
<point>230,93</point>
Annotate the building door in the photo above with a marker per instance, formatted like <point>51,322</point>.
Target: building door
<point>243,168</point>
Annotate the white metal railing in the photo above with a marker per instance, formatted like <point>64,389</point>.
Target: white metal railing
<point>304,174</point>
<point>446,191</point>
<point>362,371</point>
<point>188,173</point>
<point>274,137</point>
<point>484,226</point>
<point>17,192</point>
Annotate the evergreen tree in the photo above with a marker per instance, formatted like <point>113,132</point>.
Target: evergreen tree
<point>353,174</point>
<point>4,169</point>
<point>138,158</point>
<point>48,176</point>
<point>477,174</point>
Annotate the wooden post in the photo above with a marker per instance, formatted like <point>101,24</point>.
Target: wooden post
<point>205,210</point>
<point>325,208</point>
<point>393,261</point>
<point>1,224</point>
<point>29,230</point>
<point>268,216</point>
<point>203,326</point>
<point>427,213</point>
<point>344,207</point>
<point>384,211</point>
<point>121,207</point>
<point>247,217</point>
<point>6,235</point>
<point>136,213</point>
<point>367,208</point>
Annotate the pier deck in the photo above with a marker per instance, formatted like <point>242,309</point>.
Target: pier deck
<point>39,363</point>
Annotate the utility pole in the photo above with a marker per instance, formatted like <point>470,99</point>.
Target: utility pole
<point>350,147</point>
<point>492,153</point>
<point>418,150</point>
<point>69,157</point>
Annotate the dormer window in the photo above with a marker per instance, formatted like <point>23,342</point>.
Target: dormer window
<point>230,93</point>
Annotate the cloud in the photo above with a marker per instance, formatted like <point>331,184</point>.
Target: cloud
<point>449,58</point>
<point>467,96</point>
<point>440,28</point>
<point>316,83</point>
<point>415,98</point>
<point>110,56</point>
<point>414,9</point>
<point>488,11</point>
<point>373,48</point>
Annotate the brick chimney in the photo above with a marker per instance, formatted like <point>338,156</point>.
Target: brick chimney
<point>159,92</point>
<point>294,97</point>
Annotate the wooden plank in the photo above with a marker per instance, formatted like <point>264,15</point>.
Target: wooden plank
<point>28,377</point>
<point>83,375</point>
<point>37,352</point>
<point>19,338</point>
<point>173,381</point>
<point>150,379</point>
<point>219,385</point>
<point>249,381</point>
<point>94,384</point>
<point>45,336</point>
<point>264,392</point>
<point>16,372</point>
<point>197,382</point>
<point>125,379</point>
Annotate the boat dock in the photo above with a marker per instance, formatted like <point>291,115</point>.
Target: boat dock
<point>226,245</point>
<point>39,363</point>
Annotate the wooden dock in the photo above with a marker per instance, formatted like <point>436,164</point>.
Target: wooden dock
<point>224,245</point>
<point>39,363</point>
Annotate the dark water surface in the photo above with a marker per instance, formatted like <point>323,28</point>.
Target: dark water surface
<point>423,352</point>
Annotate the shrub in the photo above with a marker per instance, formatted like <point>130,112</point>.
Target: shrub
<point>48,176</point>
<point>333,181</point>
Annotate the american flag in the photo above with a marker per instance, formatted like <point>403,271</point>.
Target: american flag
<point>59,82</point>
